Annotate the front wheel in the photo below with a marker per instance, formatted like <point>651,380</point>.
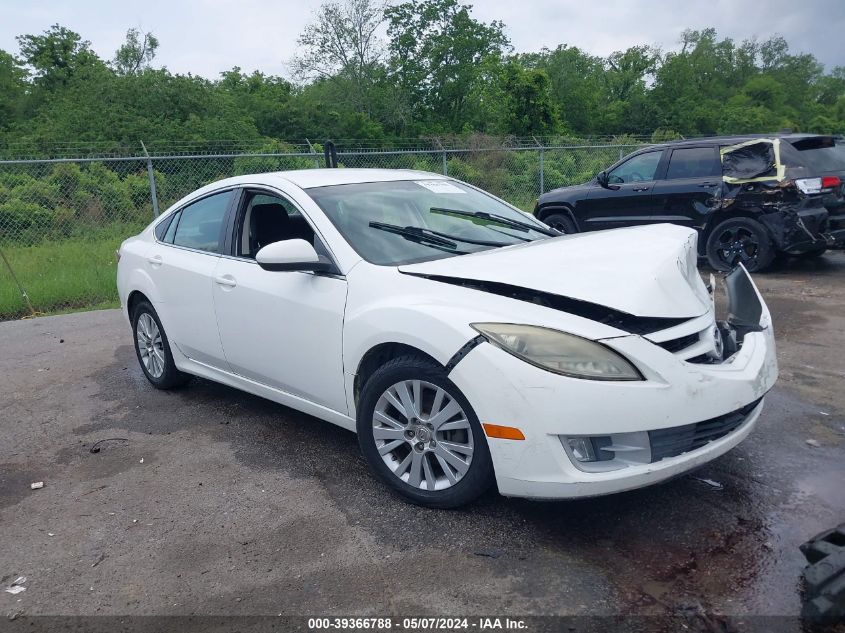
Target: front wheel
<point>740,241</point>
<point>420,435</point>
<point>561,222</point>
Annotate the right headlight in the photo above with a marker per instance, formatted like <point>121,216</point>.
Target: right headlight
<point>559,352</point>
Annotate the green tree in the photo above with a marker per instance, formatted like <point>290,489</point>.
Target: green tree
<point>342,45</point>
<point>56,56</point>
<point>136,53</point>
<point>528,108</point>
<point>436,51</point>
<point>12,89</point>
<point>576,84</point>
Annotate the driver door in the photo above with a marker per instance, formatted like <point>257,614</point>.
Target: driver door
<point>282,329</point>
<point>633,202</point>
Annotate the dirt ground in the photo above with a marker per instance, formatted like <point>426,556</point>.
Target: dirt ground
<point>219,502</point>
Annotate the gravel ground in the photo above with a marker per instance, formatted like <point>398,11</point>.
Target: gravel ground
<point>219,502</point>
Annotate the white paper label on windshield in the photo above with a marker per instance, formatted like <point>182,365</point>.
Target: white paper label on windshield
<point>439,186</point>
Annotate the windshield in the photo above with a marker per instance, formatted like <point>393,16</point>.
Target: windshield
<point>406,221</point>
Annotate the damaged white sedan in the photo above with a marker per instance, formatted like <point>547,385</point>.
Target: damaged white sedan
<point>464,341</point>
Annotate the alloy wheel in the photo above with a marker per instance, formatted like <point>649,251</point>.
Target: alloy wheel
<point>738,245</point>
<point>150,345</point>
<point>423,435</point>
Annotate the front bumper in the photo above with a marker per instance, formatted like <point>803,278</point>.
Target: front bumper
<point>505,390</point>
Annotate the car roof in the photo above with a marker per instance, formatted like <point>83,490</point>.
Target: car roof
<point>308,178</point>
<point>734,139</point>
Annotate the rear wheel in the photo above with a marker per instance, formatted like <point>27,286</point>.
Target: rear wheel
<point>561,222</point>
<point>420,435</point>
<point>153,349</point>
<point>740,241</point>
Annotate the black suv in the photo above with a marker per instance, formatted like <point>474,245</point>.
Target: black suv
<point>682,183</point>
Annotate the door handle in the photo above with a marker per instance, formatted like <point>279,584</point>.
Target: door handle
<point>641,188</point>
<point>708,184</point>
<point>226,280</point>
<point>155,260</point>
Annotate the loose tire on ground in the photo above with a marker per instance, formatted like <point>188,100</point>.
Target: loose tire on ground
<point>414,425</point>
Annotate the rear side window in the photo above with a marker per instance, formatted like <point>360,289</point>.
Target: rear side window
<point>825,158</point>
<point>200,224</point>
<point>161,227</point>
<point>171,230</point>
<point>693,162</point>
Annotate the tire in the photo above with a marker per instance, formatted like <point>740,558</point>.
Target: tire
<point>814,254</point>
<point>409,453</point>
<point>561,222</point>
<point>153,349</point>
<point>740,240</point>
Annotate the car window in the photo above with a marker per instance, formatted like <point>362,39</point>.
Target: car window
<point>693,162</point>
<point>267,218</point>
<point>171,230</point>
<point>822,159</point>
<point>200,223</point>
<point>161,227</point>
<point>640,168</point>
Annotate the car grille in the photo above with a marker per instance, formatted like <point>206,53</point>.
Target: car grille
<point>677,440</point>
<point>679,344</point>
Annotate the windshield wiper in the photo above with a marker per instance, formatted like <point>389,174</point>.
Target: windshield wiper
<point>470,240</point>
<point>420,236</point>
<point>447,237</point>
<point>496,219</point>
<point>516,237</point>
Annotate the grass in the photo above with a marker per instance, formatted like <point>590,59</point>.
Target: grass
<point>62,276</point>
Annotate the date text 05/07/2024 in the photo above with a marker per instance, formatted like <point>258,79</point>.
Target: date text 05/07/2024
<point>417,623</point>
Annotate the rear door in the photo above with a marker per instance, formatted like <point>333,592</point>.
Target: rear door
<point>691,188</point>
<point>181,266</point>
<point>631,202</point>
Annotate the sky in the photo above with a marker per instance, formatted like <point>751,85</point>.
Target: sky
<point>206,37</point>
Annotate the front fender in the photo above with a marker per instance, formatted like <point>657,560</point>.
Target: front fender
<point>436,330</point>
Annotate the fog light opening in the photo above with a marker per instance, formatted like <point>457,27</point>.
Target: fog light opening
<point>581,448</point>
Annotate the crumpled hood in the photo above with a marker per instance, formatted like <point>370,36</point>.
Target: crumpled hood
<point>645,271</point>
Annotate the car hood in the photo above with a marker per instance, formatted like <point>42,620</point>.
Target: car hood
<point>555,194</point>
<point>645,271</point>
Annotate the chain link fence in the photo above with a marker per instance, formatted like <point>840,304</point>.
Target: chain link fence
<point>61,220</point>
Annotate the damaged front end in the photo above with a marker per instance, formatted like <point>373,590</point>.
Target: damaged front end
<point>707,340</point>
<point>758,181</point>
<point>744,312</point>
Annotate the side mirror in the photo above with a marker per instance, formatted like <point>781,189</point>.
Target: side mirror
<point>604,181</point>
<point>292,255</point>
<point>601,178</point>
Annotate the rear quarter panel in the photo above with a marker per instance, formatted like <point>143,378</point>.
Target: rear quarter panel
<point>131,271</point>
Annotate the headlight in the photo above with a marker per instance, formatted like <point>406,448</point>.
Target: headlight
<point>559,352</point>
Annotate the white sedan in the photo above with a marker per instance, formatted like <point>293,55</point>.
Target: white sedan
<point>464,341</point>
